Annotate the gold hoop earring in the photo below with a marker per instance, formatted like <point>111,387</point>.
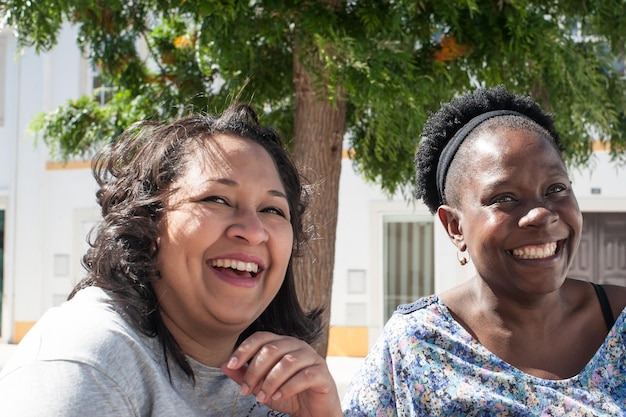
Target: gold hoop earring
<point>462,259</point>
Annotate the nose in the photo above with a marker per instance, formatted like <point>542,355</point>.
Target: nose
<point>538,216</point>
<point>248,226</point>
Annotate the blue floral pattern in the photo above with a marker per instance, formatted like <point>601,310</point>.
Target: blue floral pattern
<point>426,364</point>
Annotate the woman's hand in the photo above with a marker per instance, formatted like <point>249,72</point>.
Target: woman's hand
<point>286,374</point>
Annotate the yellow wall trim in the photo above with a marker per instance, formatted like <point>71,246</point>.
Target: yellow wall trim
<point>342,340</point>
<point>596,145</point>
<point>348,341</point>
<point>55,166</point>
<point>20,330</point>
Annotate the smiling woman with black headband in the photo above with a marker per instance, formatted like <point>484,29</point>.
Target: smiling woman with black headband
<point>519,338</point>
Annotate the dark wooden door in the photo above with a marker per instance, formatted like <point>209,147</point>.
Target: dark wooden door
<point>601,257</point>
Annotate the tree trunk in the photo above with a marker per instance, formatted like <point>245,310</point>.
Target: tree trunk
<point>319,128</point>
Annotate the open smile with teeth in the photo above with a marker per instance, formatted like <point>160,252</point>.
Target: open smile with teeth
<point>251,267</point>
<point>535,251</point>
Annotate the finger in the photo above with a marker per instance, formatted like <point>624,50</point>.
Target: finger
<point>255,358</point>
<point>274,362</point>
<point>315,379</point>
<point>237,375</point>
<point>271,372</point>
<point>234,374</point>
<point>248,348</point>
<point>285,373</point>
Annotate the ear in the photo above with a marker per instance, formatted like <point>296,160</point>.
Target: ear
<point>449,218</point>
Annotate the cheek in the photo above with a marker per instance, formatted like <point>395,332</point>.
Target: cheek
<point>178,234</point>
<point>283,245</point>
<point>181,226</point>
<point>579,218</point>
<point>577,225</point>
<point>480,235</point>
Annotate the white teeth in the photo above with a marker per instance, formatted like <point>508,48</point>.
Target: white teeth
<point>536,251</point>
<point>234,264</point>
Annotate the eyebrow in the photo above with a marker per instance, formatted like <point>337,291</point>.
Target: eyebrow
<point>232,183</point>
<point>553,173</point>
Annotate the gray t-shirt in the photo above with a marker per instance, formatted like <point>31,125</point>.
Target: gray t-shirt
<point>83,359</point>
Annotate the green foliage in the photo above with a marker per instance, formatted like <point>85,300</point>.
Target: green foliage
<point>393,61</point>
<point>75,128</point>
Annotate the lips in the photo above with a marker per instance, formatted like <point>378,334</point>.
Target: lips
<point>251,267</point>
<point>535,251</point>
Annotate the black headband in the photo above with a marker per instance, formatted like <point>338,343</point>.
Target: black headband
<point>447,155</point>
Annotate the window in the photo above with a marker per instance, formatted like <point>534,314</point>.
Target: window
<point>102,93</point>
<point>92,84</point>
<point>408,260</point>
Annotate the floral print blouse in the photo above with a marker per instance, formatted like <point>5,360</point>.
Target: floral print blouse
<point>427,364</point>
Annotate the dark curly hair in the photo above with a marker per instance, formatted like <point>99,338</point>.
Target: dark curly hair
<point>134,175</point>
<point>443,125</point>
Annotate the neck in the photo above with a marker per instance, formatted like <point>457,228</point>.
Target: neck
<point>212,349</point>
<point>531,313</point>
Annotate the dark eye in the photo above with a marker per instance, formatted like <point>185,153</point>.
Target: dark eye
<point>215,199</point>
<point>503,198</point>
<point>274,210</point>
<point>557,188</point>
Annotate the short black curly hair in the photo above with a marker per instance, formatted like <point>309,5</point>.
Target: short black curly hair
<point>442,125</point>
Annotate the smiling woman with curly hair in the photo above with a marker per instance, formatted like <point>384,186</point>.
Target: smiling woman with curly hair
<point>188,306</point>
<point>520,338</point>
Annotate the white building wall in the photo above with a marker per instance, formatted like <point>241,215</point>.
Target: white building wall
<point>600,188</point>
<point>40,203</point>
<point>75,211</point>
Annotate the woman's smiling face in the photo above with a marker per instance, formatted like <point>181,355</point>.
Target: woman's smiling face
<point>225,240</point>
<point>518,214</point>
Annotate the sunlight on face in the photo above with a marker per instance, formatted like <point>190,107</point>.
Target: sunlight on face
<point>226,240</point>
<point>519,216</point>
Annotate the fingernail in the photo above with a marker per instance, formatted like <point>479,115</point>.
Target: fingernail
<point>232,362</point>
<point>277,396</point>
<point>245,389</point>
<point>260,396</point>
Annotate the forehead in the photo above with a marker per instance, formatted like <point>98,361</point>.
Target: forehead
<point>513,146</point>
<point>224,153</point>
<point>503,154</point>
<point>227,157</point>
<point>503,158</point>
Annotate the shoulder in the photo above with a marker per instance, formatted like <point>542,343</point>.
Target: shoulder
<point>617,297</point>
<point>420,304</point>
<point>583,290</point>
<point>80,357</point>
<point>418,318</point>
<point>86,329</point>
<point>89,320</point>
